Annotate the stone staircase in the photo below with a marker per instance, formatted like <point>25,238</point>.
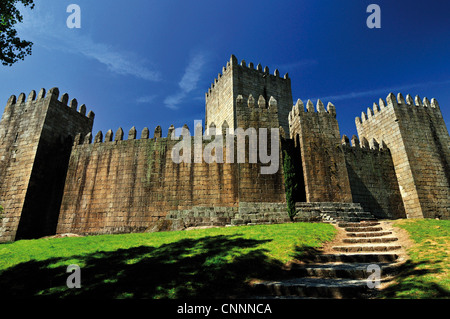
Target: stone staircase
<point>342,271</point>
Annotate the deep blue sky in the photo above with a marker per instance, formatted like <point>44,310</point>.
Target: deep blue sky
<point>147,63</point>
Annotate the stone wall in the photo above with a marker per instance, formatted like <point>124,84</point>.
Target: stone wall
<point>131,185</point>
<point>35,138</point>
<point>372,178</point>
<point>416,134</point>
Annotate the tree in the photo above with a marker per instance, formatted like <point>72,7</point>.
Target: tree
<point>12,48</point>
<point>290,185</point>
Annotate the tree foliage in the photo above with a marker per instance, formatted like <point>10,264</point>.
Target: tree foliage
<point>290,185</point>
<point>12,48</point>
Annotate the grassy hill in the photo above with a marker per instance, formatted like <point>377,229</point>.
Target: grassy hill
<point>202,263</point>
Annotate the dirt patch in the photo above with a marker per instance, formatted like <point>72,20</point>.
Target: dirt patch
<point>63,236</point>
<point>338,240</point>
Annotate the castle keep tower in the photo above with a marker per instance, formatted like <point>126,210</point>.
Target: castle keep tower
<point>242,79</point>
<point>36,135</point>
<point>419,142</point>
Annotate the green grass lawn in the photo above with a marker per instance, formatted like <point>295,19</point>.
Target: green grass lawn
<point>426,274</point>
<point>202,263</point>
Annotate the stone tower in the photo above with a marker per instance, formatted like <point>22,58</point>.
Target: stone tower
<point>415,132</point>
<point>316,135</point>
<point>246,81</point>
<point>36,135</point>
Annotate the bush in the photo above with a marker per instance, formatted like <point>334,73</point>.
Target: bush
<point>290,185</point>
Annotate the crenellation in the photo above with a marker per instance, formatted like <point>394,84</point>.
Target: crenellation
<point>119,135</point>
<point>391,100</point>
<point>363,117</point>
<point>82,110</point>
<point>310,107</point>
<point>109,136</point>
<point>65,99</point>
<point>409,100</point>
<point>400,99</point>
<point>73,104</point>
<point>434,103</point>
<point>158,132</point>
<point>250,102</point>
<point>331,109</point>
<point>11,101</point>
<point>320,106</point>
<point>418,101</point>
<point>376,108</point>
<point>355,142</point>
<point>145,134</point>
<point>345,140</point>
<point>41,94</point>
<point>98,138</point>
<point>21,98</point>
<point>88,138</point>
<point>91,115</point>
<point>53,92</point>
<point>132,134</point>
<point>262,102</point>
<point>365,143</point>
<point>31,97</point>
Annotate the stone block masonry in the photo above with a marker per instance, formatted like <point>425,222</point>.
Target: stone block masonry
<point>117,186</point>
<point>242,79</point>
<point>416,134</point>
<point>36,134</point>
<point>317,137</point>
<point>372,178</point>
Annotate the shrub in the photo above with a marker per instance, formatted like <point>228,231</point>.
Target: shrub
<point>290,185</point>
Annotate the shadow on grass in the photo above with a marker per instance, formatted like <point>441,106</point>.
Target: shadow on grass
<point>415,282</point>
<point>188,268</point>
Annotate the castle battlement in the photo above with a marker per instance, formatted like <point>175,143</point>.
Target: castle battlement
<point>299,109</point>
<point>416,105</point>
<point>53,93</point>
<point>364,144</point>
<point>259,71</point>
<point>81,139</point>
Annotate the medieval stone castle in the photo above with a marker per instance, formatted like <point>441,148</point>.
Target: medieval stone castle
<point>57,177</point>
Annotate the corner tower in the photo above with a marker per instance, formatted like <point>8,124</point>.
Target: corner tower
<point>246,81</point>
<point>36,135</point>
<point>416,134</point>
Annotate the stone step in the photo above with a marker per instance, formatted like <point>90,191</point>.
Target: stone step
<point>369,234</point>
<point>367,257</point>
<point>340,270</point>
<point>365,240</point>
<point>315,287</point>
<point>365,248</point>
<point>360,224</point>
<point>363,229</point>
